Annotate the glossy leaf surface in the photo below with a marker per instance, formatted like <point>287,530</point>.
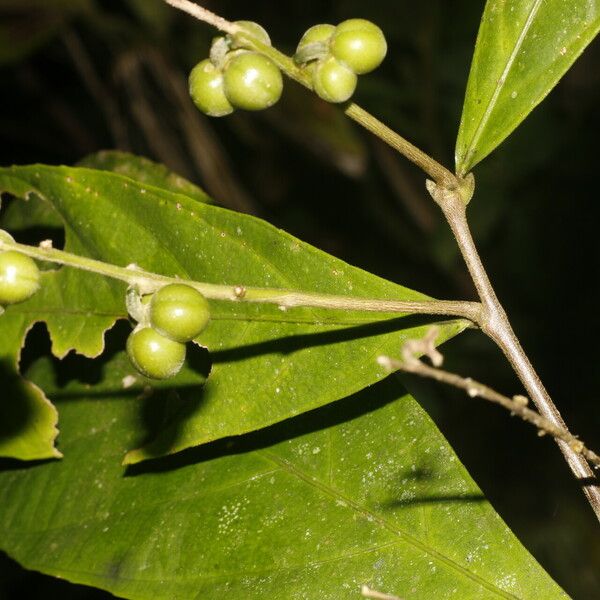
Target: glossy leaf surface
<point>267,364</point>
<point>364,491</point>
<point>523,48</point>
<point>145,171</point>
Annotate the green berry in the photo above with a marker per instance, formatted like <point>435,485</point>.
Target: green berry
<point>256,31</point>
<point>179,311</point>
<point>206,90</point>
<point>19,277</point>
<point>252,81</point>
<point>314,43</point>
<point>316,34</point>
<point>154,355</point>
<point>359,44</point>
<point>333,81</point>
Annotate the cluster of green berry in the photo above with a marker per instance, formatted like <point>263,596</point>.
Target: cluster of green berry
<point>235,78</point>
<point>336,55</point>
<point>169,318</point>
<point>19,277</point>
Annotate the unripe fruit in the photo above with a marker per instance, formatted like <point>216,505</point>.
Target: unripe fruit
<point>179,312</point>
<point>316,34</point>
<point>359,44</point>
<point>154,355</point>
<point>255,30</point>
<point>19,277</point>
<point>333,81</point>
<point>308,48</point>
<point>206,90</point>
<point>252,81</point>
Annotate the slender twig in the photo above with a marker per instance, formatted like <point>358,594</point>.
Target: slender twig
<point>452,193</point>
<point>205,15</point>
<point>434,169</point>
<point>367,592</point>
<point>495,324</point>
<point>147,282</point>
<point>517,405</point>
<point>430,166</point>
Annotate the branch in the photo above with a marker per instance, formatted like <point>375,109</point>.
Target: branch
<point>205,15</point>
<point>147,282</point>
<point>452,193</point>
<point>428,164</point>
<point>495,324</point>
<point>517,405</point>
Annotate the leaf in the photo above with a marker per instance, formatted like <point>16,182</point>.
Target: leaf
<point>267,364</point>
<point>37,213</point>
<point>523,48</point>
<point>145,171</point>
<point>365,491</point>
<point>27,419</point>
<point>34,212</point>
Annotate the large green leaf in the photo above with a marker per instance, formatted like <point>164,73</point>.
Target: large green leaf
<point>523,48</point>
<point>143,170</point>
<point>364,491</point>
<point>268,364</point>
<point>36,213</point>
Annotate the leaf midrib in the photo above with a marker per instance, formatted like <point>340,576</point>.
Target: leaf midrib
<point>406,537</point>
<point>502,80</point>
<point>288,467</point>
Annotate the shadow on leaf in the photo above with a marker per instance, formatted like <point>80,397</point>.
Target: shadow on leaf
<point>293,343</point>
<point>333,414</point>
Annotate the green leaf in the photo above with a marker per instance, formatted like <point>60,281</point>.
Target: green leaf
<point>523,48</point>
<point>365,491</point>
<point>27,419</point>
<point>268,364</point>
<point>34,212</point>
<point>145,171</point>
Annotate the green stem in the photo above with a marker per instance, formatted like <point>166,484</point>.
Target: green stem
<point>148,282</point>
<point>434,169</point>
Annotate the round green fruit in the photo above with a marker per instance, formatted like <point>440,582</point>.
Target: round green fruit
<point>154,355</point>
<point>314,43</point>
<point>206,90</point>
<point>316,34</point>
<point>19,277</point>
<point>179,312</point>
<point>359,44</point>
<point>255,30</point>
<point>252,81</point>
<point>333,81</point>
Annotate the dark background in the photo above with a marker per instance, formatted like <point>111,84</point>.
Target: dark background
<point>79,76</point>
